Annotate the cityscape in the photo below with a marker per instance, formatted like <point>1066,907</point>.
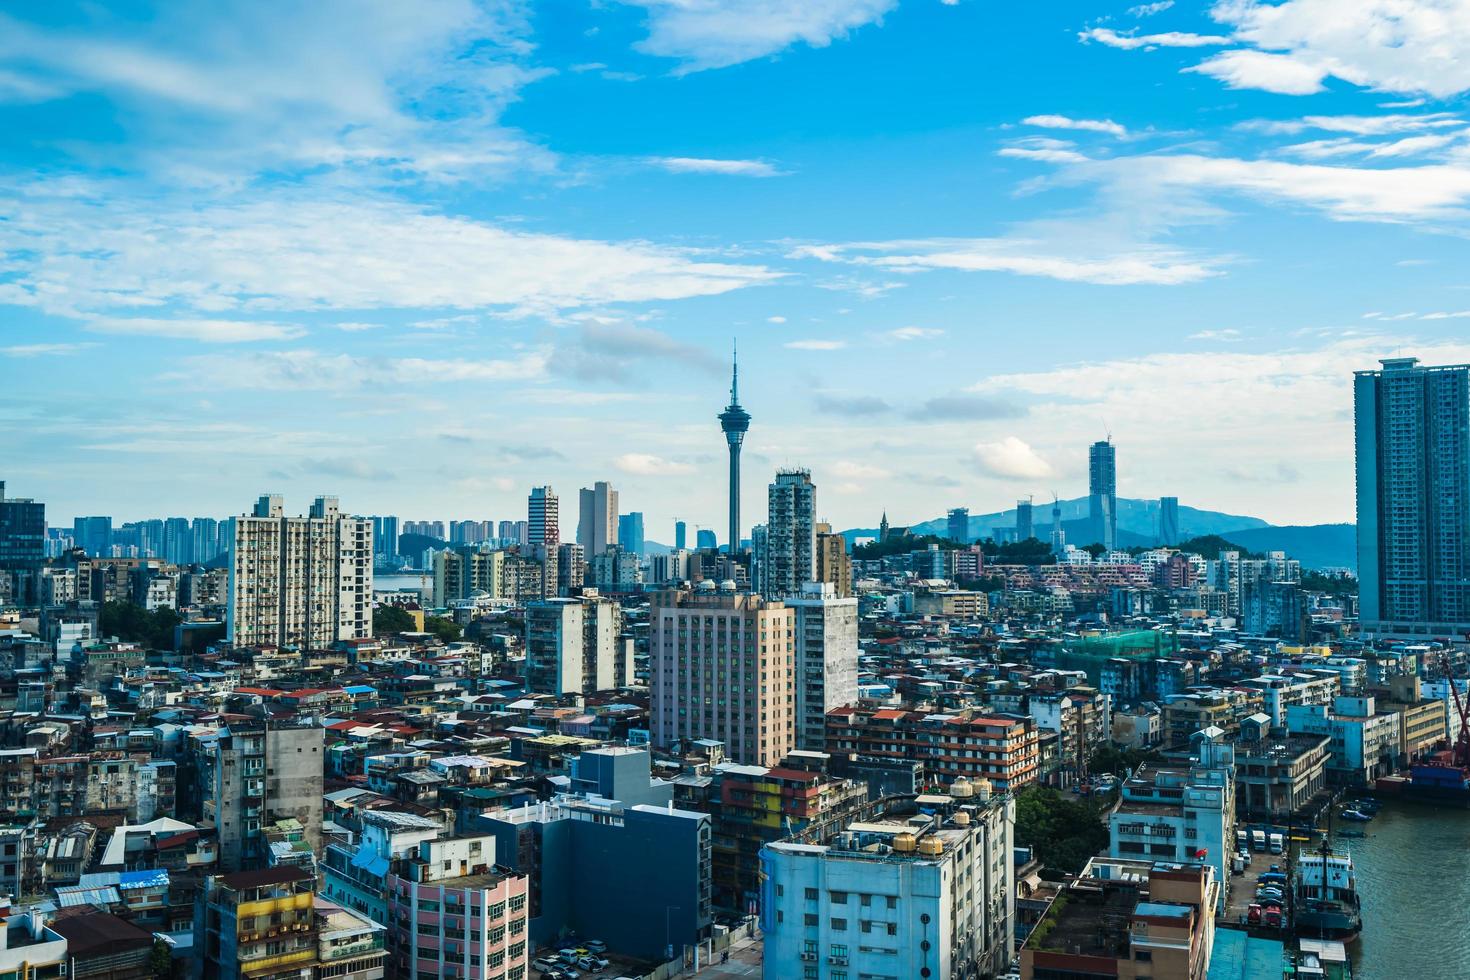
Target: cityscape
<point>734,490</point>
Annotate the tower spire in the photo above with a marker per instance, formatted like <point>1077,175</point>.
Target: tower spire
<point>734,371</point>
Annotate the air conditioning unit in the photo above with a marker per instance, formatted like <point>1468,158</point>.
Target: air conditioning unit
<point>837,960</point>
<point>809,957</point>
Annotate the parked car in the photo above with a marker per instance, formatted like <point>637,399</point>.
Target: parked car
<point>596,946</point>
<point>1273,917</point>
<point>568,956</point>
<point>1253,915</point>
<point>545,964</point>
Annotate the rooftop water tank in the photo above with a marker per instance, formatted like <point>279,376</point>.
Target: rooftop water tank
<point>961,789</point>
<point>931,847</point>
<point>905,843</point>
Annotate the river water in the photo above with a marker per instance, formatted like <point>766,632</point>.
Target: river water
<point>1414,876</point>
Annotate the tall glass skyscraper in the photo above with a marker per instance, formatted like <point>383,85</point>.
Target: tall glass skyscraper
<point>1413,476</point>
<point>1102,493</point>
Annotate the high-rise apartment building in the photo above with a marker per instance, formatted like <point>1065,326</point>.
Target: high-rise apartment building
<point>459,573</point>
<point>681,536</point>
<point>571,568</point>
<point>1413,477</point>
<point>790,558</point>
<point>722,666</point>
<point>93,535</point>
<point>300,581</point>
<point>1168,521</point>
<point>22,545</point>
<point>1025,522</point>
<point>630,533</point>
<point>178,541</point>
<point>597,518</point>
<point>1102,493</point>
<point>577,646</point>
<point>957,525</point>
<point>704,540</point>
<point>543,523</point>
<point>834,564</point>
<point>826,659</point>
<point>253,774</point>
<point>385,537</point>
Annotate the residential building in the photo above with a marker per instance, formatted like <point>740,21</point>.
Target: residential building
<point>791,535</point>
<point>951,603</point>
<point>102,946</point>
<point>1180,815</point>
<point>1278,775</point>
<point>1025,520</point>
<point>1422,719</point>
<point>1169,522</point>
<point>597,519</point>
<point>826,659</point>
<point>93,535</point>
<point>1412,425</point>
<point>453,913</point>
<point>1102,493</point>
<point>543,524</point>
<point>385,537</point>
<point>630,533</point>
<point>300,581</point>
<point>834,564</point>
<point>922,896</point>
<point>681,536</point>
<point>29,948</point>
<point>257,924</point>
<point>722,666</point>
<point>22,547</point>
<point>253,774</point>
<point>1364,741</point>
<point>461,573</point>
<point>571,568</point>
<point>969,743</point>
<point>957,525</point>
<point>577,646</point>
<point>704,539</point>
<point>1129,920</point>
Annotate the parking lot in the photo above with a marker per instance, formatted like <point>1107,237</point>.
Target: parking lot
<point>1243,884</point>
<point>617,965</point>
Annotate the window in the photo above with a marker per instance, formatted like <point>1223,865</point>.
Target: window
<point>893,928</point>
<point>780,890</point>
<point>892,902</point>
<point>811,894</point>
<point>810,946</point>
<point>1143,955</point>
<point>809,972</point>
<point>839,898</point>
<point>809,920</point>
<point>839,951</point>
<point>839,925</point>
<point>866,925</point>
<point>866,900</point>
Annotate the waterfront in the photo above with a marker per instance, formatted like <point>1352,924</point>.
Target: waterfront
<point>1414,876</point>
<point>395,582</point>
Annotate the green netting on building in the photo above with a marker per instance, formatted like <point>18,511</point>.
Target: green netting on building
<point>1089,653</point>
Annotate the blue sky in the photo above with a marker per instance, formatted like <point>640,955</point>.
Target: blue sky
<point>426,255</point>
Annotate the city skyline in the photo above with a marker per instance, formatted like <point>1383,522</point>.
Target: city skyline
<point>299,278</point>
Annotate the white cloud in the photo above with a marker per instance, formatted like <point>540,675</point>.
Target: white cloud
<point>206,331</point>
<point>915,333</point>
<point>848,470</point>
<point>1043,154</point>
<point>1228,334</point>
<point>1278,73</point>
<point>646,464</point>
<point>1128,264</point>
<point>43,350</point>
<point>775,319</point>
<point>356,327</point>
<point>1065,122</point>
<point>718,33</point>
<point>815,344</point>
<point>216,95</point>
<point>309,370</point>
<point>92,257</point>
<point>1168,39</point>
<point>1401,46</point>
<point>728,168</point>
<point>1011,458</point>
<point>1383,125</point>
<point>1149,9</point>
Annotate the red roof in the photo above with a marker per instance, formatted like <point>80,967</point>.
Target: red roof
<point>888,714</point>
<point>798,775</point>
<point>264,692</point>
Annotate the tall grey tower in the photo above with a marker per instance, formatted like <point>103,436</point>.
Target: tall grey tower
<point>790,559</point>
<point>1102,492</point>
<point>734,420</point>
<point>1413,474</point>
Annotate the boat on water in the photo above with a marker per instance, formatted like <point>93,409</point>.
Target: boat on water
<point>1322,959</point>
<point>1351,834</point>
<point>1357,816</point>
<point>1327,902</point>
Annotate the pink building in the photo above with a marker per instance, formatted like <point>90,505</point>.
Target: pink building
<point>455,915</point>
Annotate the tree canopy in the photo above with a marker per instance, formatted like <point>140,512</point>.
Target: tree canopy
<point>393,619</point>
<point>131,622</point>
<point>1063,832</point>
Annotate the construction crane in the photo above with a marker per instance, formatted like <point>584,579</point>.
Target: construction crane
<point>1460,750</point>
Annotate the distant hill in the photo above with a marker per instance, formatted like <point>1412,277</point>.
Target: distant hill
<point>1314,545</point>
<point>1138,522</point>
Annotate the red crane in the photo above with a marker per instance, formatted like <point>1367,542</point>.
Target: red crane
<point>1460,751</point>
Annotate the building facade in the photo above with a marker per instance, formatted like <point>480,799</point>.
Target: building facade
<point>300,581</point>
<point>576,646</point>
<point>826,659</point>
<point>1412,427</point>
<point>597,518</point>
<point>722,665</point>
<point>790,558</point>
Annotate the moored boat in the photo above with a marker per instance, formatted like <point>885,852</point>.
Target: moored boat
<point>1327,905</point>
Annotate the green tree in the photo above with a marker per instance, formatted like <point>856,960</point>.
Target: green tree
<point>131,622</point>
<point>392,619</point>
<point>1063,833</point>
<point>445,629</point>
<point>1338,585</point>
<point>1118,761</point>
<point>161,960</point>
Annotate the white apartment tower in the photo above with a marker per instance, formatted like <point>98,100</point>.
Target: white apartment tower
<point>597,518</point>
<point>790,558</point>
<point>300,581</point>
<point>826,659</point>
<point>577,646</point>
